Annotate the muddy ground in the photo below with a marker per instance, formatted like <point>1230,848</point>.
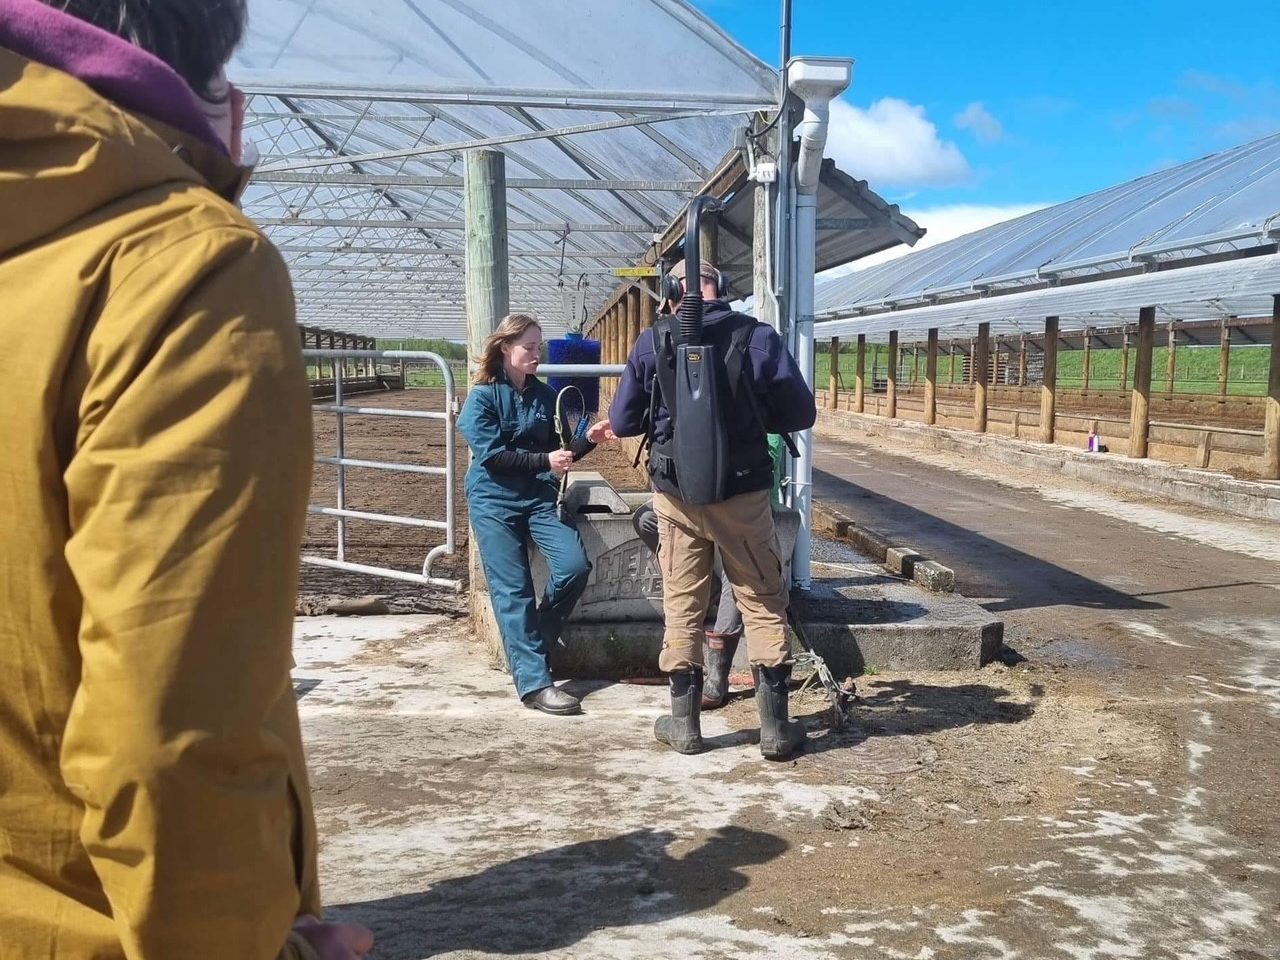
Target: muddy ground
<point>1023,811</point>
<point>1107,789</point>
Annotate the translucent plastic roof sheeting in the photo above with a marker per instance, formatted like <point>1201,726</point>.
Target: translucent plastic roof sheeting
<point>1230,288</point>
<point>1217,206</point>
<point>853,222</point>
<point>611,113</point>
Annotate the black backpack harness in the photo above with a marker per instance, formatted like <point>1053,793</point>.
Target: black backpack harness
<point>662,388</point>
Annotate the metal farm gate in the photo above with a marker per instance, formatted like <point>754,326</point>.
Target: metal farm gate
<point>344,407</point>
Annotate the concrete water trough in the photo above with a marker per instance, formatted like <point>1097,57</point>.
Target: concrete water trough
<point>856,615</point>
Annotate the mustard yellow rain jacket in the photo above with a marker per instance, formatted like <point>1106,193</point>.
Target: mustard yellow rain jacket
<point>155,448</point>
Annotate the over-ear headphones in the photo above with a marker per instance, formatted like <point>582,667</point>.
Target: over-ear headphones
<point>672,288</point>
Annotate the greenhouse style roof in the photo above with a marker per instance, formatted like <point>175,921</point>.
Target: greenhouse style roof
<point>611,114</point>
<point>1195,241</point>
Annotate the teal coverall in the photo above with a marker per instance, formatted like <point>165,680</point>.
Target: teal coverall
<point>512,501</point>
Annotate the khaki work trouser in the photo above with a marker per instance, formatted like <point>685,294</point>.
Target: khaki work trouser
<point>742,527</point>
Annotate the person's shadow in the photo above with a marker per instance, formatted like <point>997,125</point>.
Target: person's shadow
<point>556,898</point>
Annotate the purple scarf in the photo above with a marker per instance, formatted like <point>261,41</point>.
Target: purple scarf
<point>126,75</point>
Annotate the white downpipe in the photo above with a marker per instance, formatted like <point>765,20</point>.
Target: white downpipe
<point>802,479</point>
<point>817,81</point>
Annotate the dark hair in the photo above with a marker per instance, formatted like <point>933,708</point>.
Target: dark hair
<point>195,37</point>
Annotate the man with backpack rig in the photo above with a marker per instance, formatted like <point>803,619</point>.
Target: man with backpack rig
<point>763,393</point>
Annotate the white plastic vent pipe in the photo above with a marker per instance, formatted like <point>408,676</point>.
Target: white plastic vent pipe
<point>817,81</point>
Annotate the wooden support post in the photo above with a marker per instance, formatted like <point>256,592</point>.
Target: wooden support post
<point>1022,360</point>
<point>981,376</point>
<point>1271,432</point>
<point>766,307</point>
<point>1206,448</point>
<point>860,376</point>
<point>951,362</point>
<point>620,328</point>
<point>709,239</point>
<point>833,375</point>
<point>648,305</point>
<point>931,379</point>
<point>1172,364</point>
<point>488,283</point>
<point>1084,364</point>
<point>1224,357</point>
<point>1140,410</point>
<point>634,296</point>
<point>1124,360</point>
<point>1049,388</point>
<point>891,397</point>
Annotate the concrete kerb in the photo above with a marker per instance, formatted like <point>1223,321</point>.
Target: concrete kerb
<point>904,561</point>
<point>1254,500</point>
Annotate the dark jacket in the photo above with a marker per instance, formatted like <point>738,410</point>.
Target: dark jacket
<point>785,401</point>
<point>511,434</point>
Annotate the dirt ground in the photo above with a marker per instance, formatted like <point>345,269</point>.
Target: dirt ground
<point>1030,810</point>
<point>1107,789</point>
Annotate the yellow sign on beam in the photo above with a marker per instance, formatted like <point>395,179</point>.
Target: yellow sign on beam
<point>635,271</point>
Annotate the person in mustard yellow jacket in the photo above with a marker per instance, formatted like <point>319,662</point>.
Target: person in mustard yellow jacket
<point>155,469</point>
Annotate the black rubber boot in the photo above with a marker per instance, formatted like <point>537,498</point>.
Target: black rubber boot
<point>779,736</point>
<point>682,730</point>
<point>720,650</point>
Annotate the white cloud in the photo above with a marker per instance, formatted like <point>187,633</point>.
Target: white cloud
<point>945,223</point>
<point>977,118</point>
<point>893,144</point>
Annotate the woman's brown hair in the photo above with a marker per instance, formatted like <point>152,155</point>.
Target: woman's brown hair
<point>511,329</point>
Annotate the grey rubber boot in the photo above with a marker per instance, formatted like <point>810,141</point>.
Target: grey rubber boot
<point>682,730</point>
<point>720,650</point>
<point>780,736</point>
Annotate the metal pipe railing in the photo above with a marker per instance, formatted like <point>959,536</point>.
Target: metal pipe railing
<point>342,462</point>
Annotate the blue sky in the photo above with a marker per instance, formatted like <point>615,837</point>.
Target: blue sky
<point>968,112</point>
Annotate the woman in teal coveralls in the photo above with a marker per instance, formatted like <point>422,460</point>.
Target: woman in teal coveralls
<point>512,486</point>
